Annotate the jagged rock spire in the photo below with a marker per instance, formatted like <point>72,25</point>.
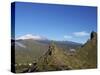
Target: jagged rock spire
<point>51,48</point>
<point>93,35</point>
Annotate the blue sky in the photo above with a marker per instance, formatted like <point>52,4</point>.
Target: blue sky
<point>56,22</point>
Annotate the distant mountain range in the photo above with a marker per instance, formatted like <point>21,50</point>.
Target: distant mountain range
<point>29,38</point>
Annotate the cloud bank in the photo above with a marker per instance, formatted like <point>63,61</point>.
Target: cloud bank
<point>81,34</point>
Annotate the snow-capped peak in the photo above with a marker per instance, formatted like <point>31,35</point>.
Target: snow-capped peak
<point>30,36</point>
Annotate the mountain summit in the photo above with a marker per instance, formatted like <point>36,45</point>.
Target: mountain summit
<point>30,36</point>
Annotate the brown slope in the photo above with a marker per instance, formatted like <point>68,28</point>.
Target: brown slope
<point>55,59</point>
<point>52,60</point>
<point>88,53</point>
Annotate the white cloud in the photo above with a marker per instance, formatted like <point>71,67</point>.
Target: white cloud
<point>82,33</point>
<point>67,37</point>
